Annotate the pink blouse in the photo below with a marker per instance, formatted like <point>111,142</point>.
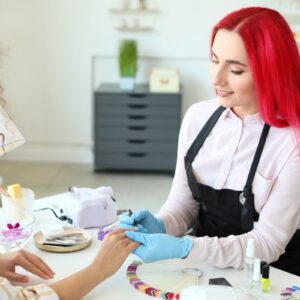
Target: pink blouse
<point>224,162</point>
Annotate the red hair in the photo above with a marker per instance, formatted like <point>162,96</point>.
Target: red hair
<point>274,62</point>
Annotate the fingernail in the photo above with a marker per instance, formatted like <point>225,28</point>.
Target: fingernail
<point>26,280</point>
<point>50,271</point>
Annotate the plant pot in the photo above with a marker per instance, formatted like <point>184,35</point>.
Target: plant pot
<point>127,83</point>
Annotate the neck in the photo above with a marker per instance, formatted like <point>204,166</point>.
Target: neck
<point>242,112</point>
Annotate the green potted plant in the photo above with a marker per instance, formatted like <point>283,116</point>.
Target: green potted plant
<point>127,64</point>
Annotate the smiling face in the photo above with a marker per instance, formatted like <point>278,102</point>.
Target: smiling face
<point>231,75</point>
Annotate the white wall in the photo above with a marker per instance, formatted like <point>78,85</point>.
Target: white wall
<point>47,73</point>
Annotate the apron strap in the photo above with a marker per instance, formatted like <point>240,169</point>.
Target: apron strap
<point>203,134</point>
<point>247,197</point>
<point>194,149</point>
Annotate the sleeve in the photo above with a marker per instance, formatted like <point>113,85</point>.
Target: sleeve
<point>38,292</point>
<point>278,221</point>
<point>180,210</point>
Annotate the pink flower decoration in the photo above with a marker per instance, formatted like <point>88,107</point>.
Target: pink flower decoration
<point>11,226</point>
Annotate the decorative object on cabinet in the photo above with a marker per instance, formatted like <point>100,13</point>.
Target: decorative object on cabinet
<point>135,131</point>
<point>134,18</point>
<point>297,35</point>
<point>127,64</point>
<point>164,81</point>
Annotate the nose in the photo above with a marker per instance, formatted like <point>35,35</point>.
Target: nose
<point>217,75</point>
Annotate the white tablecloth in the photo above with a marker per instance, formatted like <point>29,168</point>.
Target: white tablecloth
<point>118,287</point>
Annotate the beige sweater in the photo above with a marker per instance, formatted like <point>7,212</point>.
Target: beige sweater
<point>37,292</point>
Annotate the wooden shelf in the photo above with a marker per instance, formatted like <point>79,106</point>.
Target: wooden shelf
<point>134,11</point>
<point>133,19</point>
<point>135,29</point>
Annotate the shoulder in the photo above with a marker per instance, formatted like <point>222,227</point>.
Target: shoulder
<point>205,107</point>
<point>198,113</point>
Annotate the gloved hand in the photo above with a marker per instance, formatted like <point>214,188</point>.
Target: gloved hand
<point>144,220</point>
<point>159,246</point>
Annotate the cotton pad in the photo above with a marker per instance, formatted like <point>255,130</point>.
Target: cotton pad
<point>207,292</point>
<point>51,229</point>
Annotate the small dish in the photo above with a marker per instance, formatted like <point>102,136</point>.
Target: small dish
<point>42,243</point>
<point>15,234</point>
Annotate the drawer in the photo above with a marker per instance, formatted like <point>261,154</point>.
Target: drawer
<point>136,132</point>
<point>134,162</point>
<point>135,146</point>
<point>133,120</point>
<point>126,99</point>
<point>137,110</point>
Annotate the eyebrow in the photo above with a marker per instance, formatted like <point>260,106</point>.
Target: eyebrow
<point>230,61</point>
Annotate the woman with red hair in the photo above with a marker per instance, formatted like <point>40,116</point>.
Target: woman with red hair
<point>238,162</point>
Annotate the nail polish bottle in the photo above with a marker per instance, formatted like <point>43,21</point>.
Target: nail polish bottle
<point>262,264</point>
<point>265,281</point>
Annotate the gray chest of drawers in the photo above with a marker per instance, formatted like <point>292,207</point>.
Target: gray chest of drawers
<point>135,130</point>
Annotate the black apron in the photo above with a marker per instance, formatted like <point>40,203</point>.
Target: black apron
<point>227,212</point>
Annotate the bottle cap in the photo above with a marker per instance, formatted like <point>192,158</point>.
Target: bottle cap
<point>262,264</point>
<point>256,271</point>
<point>266,271</point>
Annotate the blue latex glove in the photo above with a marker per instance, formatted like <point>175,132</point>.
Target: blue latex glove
<point>160,246</point>
<point>144,221</point>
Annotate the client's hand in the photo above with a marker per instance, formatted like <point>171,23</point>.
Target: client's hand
<point>144,220</point>
<point>26,260</point>
<point>160,246</point>
<point>114,249</point>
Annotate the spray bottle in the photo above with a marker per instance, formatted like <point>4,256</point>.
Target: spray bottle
<point>256,291</point>
<point>249,263</point>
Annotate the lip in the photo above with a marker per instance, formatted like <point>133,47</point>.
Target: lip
<point>222,93</point>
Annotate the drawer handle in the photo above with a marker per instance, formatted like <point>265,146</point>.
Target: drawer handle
<point>137,106</point>
<point>133,154</point>
<point>137,117</point>
<point>136,141</point>
<point>137,127</point>
<point>137,95</point>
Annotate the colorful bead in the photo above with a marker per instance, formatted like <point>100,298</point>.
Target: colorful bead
<point>144,288</point>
